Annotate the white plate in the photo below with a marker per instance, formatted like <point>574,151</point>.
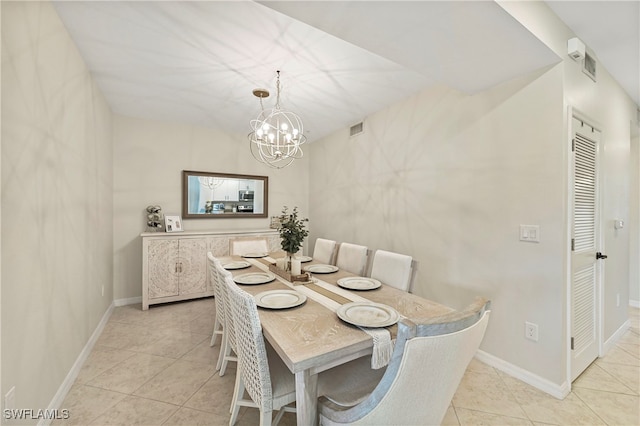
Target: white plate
<point>368,314</point>
<point>237,264</point>
<point>304,259</point>
<point>254,278</point>
<point>359,283</point>
<point>255,255</point>
<point>279,299</point>
<point>320,269</point>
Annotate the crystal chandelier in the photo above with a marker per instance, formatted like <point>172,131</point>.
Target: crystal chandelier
<point>277,134</point>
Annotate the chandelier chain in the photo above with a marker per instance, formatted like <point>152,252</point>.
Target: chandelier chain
<point>278,91</point>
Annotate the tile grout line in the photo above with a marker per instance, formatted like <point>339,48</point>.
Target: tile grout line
<point>611,376</point>
<point>506,385</point>
<point>589,407</point>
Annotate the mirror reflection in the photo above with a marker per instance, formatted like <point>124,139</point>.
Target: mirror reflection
<point>208,195</point>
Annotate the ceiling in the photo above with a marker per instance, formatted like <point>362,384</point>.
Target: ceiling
<point>198,62</point>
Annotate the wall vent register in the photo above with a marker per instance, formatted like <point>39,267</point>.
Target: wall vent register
<point>356,129</point>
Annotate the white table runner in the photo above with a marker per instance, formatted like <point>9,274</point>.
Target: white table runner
<point>382,343</point>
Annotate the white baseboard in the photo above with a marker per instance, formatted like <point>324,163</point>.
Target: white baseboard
<point>611,341</point>
<point>553,389</point>
<point>634,303</point>
<point>129,301</point>
<point>64,388</point>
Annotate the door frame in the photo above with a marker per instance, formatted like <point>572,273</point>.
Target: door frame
<point>573,112</point>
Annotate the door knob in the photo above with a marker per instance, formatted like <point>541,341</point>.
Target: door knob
<point>600,256</point>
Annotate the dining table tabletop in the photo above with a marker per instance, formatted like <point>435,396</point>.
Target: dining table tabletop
<point>310,337</point>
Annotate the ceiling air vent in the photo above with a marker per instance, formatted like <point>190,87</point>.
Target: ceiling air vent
<point>356,129</point>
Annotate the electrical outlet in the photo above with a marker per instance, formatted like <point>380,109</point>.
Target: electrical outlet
<point>102,290</point>
<point>618,300</point>
<point>531,331</point>
<point>10,399</point>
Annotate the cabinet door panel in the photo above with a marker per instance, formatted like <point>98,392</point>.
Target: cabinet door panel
<point>192,262</point>
<point>163,271</point>
<point>219,246</point>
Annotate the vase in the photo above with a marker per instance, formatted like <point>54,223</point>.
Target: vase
<point>287,262</point>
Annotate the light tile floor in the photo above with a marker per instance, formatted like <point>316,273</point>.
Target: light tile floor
<point>156,367</point>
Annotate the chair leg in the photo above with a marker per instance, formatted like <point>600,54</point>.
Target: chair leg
<point>265,418</point>
<point>236,386</point>
<point>217,329</point>
<point>278,416</point>
<point>221,355</point>
<point>237,394</point>
<point>225,359</point>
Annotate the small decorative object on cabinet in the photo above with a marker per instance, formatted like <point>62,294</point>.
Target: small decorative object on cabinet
<point>276,222</point>
<point>154,218</point>
<point>173,223</point>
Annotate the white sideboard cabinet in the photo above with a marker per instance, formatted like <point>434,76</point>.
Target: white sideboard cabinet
<point>174,265</point>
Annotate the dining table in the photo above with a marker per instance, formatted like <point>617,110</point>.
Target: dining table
<point>310,337</point>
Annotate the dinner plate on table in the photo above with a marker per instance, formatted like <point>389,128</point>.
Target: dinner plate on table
<point>254,278</point>
<point>359,283</point>
<point>236,264</point>
<point>320,269</point>
<point>279,299</point>
<point>304,259</point>
<point>368,314</point>
<point>255,255</point>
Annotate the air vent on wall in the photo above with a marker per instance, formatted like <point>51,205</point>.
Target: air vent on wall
<point>589,66</point>
<point>356,129</point>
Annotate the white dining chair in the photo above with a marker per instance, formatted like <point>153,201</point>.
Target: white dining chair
<point>392,269</point>
<point>261,373</point>
<point>242,246</point>
<point>426,367</point>
<point>352,258</point>
<point>323,251</point>
<point>228,347</point>
<point>219,321</point>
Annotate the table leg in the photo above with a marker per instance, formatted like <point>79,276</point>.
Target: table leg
<point>306,398</point>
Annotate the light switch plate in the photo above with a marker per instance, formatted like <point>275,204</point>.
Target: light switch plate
<point>530,233</point>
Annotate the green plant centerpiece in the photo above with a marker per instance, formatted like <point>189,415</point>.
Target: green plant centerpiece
<point>292,233</point>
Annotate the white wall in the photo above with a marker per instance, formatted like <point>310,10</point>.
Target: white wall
<point>448,178</point>
<point>149,157</point>
<point>611,109</point>
<point>56,203</point>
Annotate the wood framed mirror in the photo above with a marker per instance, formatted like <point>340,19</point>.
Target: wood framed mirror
<point>207,195</point>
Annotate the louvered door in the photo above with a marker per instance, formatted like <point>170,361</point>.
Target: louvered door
<point>585,274</point>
